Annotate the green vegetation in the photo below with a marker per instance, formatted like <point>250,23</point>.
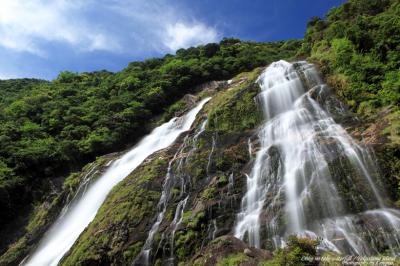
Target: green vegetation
<point>51,128</point>
<point>232,260</point>
<point>298,252</point>
<point>122,223</point>
<point>46,213</point>
<point>208,193</point>
<point>228,250</point>
<point>113,237</point>
<point>190,239</point>
<point>389,160</point>
<point>236,110</point>
<point>193,220</point>
<point>358,46</point>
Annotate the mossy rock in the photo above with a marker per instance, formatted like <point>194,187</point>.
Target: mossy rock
<point>46,213</point>
<point>113,236</point>
<point>226,251</point>
<point>236,109</point>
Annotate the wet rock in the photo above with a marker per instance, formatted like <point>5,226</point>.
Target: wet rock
<point>227,248</point>
<point>189,99</point>
<point>211,86</point>
<point>248,252</point>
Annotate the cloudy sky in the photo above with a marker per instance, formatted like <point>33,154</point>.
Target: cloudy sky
<point>40,38</point>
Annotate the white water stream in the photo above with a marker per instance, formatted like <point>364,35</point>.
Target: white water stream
<point>309,174</point>
<point>175,176</point>
<point>82,210</point>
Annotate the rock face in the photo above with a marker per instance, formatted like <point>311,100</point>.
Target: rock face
<point>228,249</point>
<point>180,205</point>
<point>46,213</point>
<point>205,169</point>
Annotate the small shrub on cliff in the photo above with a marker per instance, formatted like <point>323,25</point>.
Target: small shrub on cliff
<point>359,42</point>
<point>296,253</point>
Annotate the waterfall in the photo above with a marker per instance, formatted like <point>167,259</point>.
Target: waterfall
<point>310,178</point>
<point>210,155</point>
<point>230,183</point>
<point>82,209</point>
<point>175,177</point>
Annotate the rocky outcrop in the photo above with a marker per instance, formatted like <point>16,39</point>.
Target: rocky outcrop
<point>228,250</point>
<point>47,212</point>
<point>207,168</point>
<point>208,171</point>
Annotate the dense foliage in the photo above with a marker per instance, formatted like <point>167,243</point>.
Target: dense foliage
<point>358,45</point>
<point>297,252</point>
<point>50,128</point>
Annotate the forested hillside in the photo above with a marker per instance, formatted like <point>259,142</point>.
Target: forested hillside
<point>49,131</point>
<point>357,45</point>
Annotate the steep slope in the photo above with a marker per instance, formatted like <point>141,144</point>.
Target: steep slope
<point>202,183</point>
<point>80,211</point>
<point>183,203</point>
<point>49,129</point>
<point>357,47</point>
<point>200,178</point>
<point>46,213</point>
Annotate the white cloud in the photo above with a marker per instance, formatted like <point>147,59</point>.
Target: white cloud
<point>7,74</point>
<point>161,26</point>
<point>25,24</point>
<point>180,35</point>
<point>127,26</point>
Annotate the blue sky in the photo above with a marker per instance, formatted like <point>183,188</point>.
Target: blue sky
<point>40,38</point>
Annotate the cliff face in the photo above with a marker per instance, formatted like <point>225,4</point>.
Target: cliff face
<point>180,205</point>
<point>138,194</point>
<point>202,177</point>
<point>47,212</point>
<point>49,129</point>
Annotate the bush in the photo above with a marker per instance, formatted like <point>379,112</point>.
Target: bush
<point>296,253</point>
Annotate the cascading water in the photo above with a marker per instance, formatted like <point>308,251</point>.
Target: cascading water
<point>210,155</point>
<point>310,178</point>
<point>82,209</point>
<point>175,177</point>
